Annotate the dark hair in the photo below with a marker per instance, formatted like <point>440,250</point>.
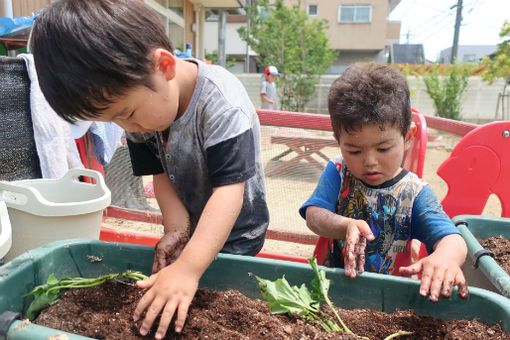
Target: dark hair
<point>366,94</point>
<point>87,52</point>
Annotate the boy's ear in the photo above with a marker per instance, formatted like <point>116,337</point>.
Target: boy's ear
<point>164,62</point>
<point>410,134</point>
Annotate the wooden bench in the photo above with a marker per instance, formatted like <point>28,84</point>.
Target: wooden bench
<point>304,147</point>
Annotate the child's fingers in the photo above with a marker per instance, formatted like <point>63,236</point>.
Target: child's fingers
<point>448,282</point>
<point>462,284</point>
<point>152,312</point>
<point>181,315</point>
<point>364,229</point>
<point>144,302</point>
<point>359,251</point>
<point>165,319</point>
<point>159,261</point>
<point>350,254</point>
<point>412,269</point>
<point>426,278</point>
<point>436,283</point>
<point>148,282</point>
<point>350,264</point>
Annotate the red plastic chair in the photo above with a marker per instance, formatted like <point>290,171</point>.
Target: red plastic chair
<point>478,166</point>
<point>414,161</point>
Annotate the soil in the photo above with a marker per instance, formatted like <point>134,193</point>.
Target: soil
<point>500,246</point>
<point>105,312</point>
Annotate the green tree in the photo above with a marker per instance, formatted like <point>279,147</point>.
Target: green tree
<point>499,66</point>
<point>446,90</point>
<point>287,38</point>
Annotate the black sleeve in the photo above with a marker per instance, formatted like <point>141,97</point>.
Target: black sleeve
<point>232,161</point>
<point>144,159</point>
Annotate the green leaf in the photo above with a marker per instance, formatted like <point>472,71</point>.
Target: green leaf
<point>319,283</point>
<point>282,298</point>
<point>47,294</point>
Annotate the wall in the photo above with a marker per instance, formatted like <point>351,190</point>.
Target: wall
<point>25,8</point>
<point>479,100</point>
<point>233,42</point>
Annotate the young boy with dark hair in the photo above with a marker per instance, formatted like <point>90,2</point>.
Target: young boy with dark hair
<point>366,198</point>
<point>190,125</point>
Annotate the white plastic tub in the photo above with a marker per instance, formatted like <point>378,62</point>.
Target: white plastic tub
<point>5,230</point>
<point>46,210</point>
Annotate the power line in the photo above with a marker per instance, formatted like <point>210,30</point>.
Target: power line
<point>438,29</point>
<point>432,23</point>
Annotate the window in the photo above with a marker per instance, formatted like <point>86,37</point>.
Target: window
<point>469,58</point>
<point>355,13</point>
<point>313,10</point>
<point>263,13</point>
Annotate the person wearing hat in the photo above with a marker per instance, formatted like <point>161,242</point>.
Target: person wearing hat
<point>268,89</point>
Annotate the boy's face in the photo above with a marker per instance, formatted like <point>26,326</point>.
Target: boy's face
<point>270,78</point>
<point>372,155</point>
<point>144,110</point>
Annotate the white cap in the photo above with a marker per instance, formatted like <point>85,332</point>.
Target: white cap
<point>272,70</point>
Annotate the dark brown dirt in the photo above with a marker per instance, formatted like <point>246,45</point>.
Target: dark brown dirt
<point>105,312</point>
<point>500,246</point>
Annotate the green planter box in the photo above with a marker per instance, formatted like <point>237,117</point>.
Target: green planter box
<point>489,275</point>
<point>375,291</point>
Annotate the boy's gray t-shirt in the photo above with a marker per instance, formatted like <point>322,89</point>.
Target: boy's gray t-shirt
<point>269,89</point>
<point>215,142</point>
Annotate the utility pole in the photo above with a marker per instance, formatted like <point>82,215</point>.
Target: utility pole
<point>458,20</point>
<point>248,24</point>
<point>222,24</point>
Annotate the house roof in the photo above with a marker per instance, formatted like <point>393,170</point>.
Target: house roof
<point>407,54</point>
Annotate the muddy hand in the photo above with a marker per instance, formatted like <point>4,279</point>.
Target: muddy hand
<point>168,249</point>
<point>358,232</point>
<point>169,293</point>
<point>438,280</point>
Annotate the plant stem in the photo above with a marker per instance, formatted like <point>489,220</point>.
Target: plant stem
<point>397,334</point>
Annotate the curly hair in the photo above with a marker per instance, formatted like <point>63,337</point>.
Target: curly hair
<point>369,94</point>
<point>88,52</point>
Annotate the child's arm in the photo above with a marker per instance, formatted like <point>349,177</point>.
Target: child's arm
<point>265,98</point>
<point>328,224</point>
<point>441,269</point>
<point>173,287</point>
<point>175,220</point>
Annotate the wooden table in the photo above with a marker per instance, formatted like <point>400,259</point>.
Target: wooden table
<point>305,147</point>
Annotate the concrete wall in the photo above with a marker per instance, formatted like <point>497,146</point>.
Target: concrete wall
<point>479,100</point>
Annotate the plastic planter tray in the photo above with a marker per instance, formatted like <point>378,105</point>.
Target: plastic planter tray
<point>488,274</point>
<point>375,291</point>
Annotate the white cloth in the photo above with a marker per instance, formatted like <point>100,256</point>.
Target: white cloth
<point>79,128</point>
<point>106,137</point>
<point>55,145</point>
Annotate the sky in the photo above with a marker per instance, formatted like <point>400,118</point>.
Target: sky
<point>432,23</point>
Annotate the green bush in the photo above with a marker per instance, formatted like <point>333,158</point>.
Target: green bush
<point>446,90</point>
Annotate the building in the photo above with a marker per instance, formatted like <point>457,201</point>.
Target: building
<point>184,19</point>
<point>407,54</point>
<point>358,30</point>
<point>467,53</point>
